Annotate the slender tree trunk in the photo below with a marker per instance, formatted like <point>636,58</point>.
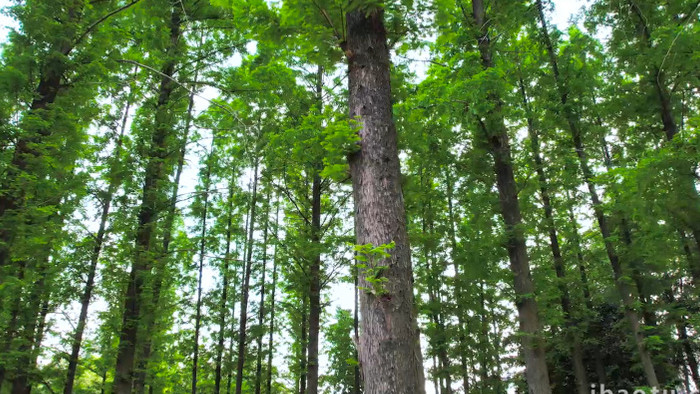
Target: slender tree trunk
<point>443,371</point>
<point>229,375</point>
<point>303,366</point>
<point>271,332</point>
<point>315,267</point>
<point>314,287</point>
<point>670,127</point>
<point>147,216</point>
<point>496,136</point>
<point>625,290</point>
<point>223,304</point>
<point>31,316</point>
<point>597,356</point>
<point>243,322</point>
<point>233,309</point>
<point>162,261</point>
<point>95,256</point>
<point>689,352</point>
<point>202,249</point>
<point>357,389</point>
<point>29,146</point>
<point>389,349</point>
<point>576,351</point>
<point>457,282</point>
<point>261,308</point>
<point>484,340</point>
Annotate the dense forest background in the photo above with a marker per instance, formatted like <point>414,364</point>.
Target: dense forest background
<point>204,196</point>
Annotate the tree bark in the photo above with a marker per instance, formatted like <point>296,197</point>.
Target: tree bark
<point>389,350</point>
<point>496,137</point>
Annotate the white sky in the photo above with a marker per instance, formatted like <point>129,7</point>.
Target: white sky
<point>341,295</point>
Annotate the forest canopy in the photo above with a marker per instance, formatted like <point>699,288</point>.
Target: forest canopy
<point>349,196</point>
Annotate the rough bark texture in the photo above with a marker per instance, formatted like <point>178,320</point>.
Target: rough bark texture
<point>496,138</point>
<point>147,216</point>
<point>389,348</point>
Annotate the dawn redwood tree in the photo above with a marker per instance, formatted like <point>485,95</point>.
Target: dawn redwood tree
<point>625,289</point>
<point>495,136</point>
<point>160,156</point>
<point>389,347</point>
<point>577,361</point>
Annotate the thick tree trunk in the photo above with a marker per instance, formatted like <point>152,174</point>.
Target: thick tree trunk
<point>389,350</point>
<point>496,137</point>
<point>95,256</point>
<point>147,217</point>
<point>202,249</point>
<point>576,351</point>
<point>625,290</point>
<point>223,304</point>
<point>245,290</point>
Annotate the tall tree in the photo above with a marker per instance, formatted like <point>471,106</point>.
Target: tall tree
<point>389,348</point>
